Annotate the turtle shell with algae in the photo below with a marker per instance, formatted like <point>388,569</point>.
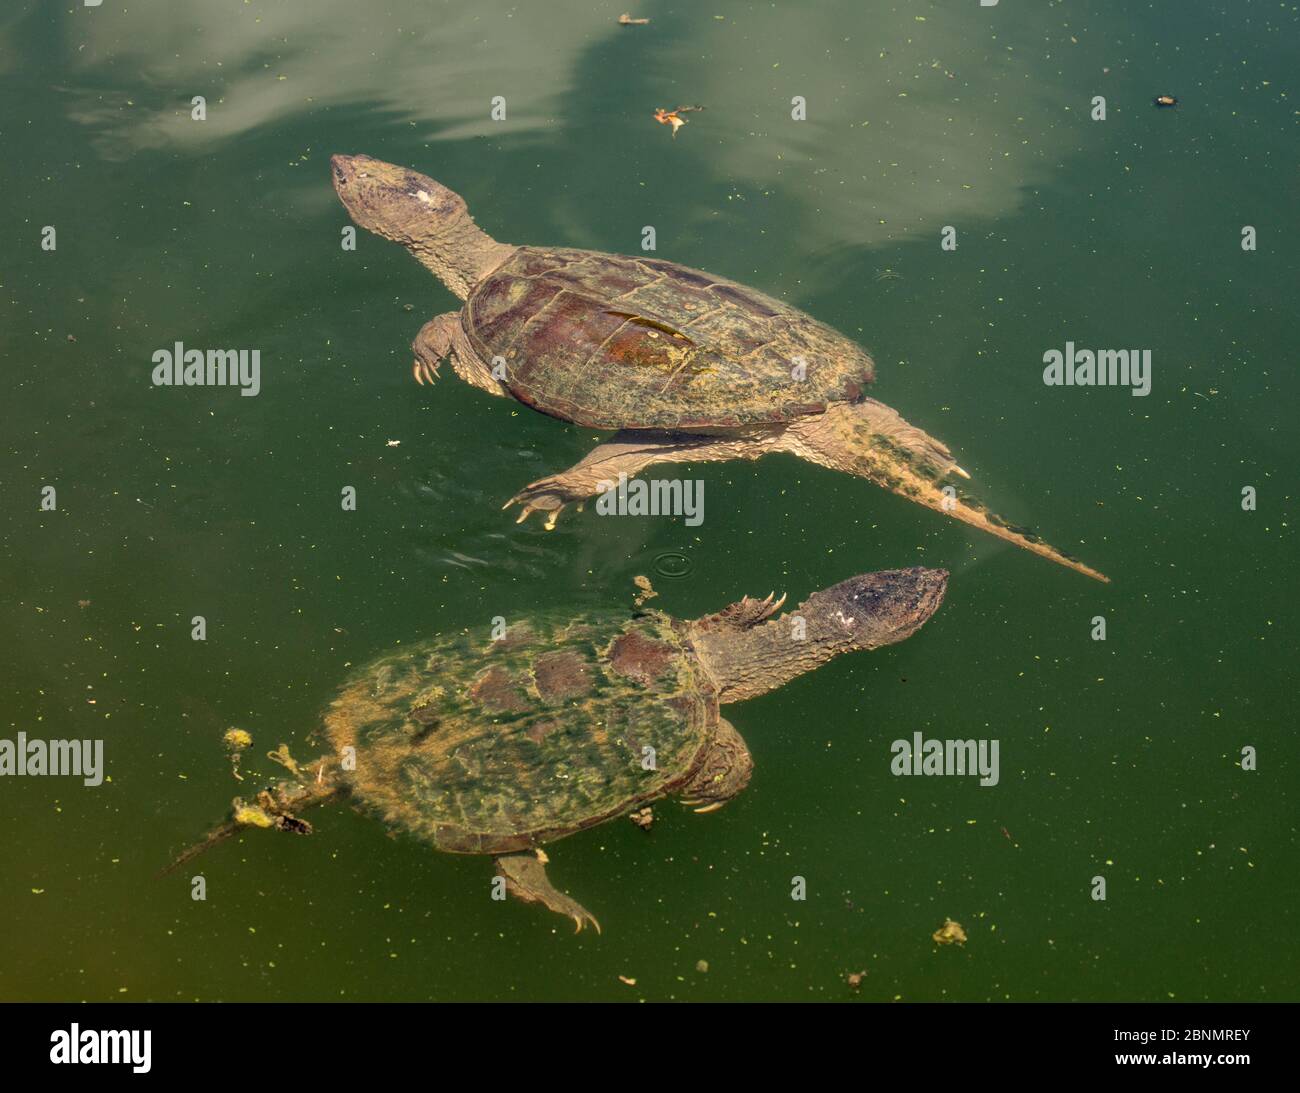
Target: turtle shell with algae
<point>614,342</point>
<point>483,746</point>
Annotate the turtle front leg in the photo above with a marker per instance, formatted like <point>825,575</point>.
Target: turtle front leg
<point>629,452</point>
<point>873,441</point>
<point>432,344</point>
<point>725,771</point>
<point>525,875</point>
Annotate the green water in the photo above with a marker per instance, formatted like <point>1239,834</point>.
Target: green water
<point>1118,758</point>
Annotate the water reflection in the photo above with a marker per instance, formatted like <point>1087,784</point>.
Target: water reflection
<point>913,121</point>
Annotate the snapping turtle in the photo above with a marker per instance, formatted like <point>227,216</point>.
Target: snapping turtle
<point>688,367</point>
<point>483,746</point>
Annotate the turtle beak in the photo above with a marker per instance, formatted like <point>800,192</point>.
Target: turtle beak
<point>343,168</point>
<point>362,194</point>
<point>905,597</point>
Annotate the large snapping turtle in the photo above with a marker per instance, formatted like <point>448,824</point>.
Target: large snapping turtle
<point>483,746</point>
<point>688,367</point>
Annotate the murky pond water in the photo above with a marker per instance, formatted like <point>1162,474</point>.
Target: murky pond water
<point>1120,758</point>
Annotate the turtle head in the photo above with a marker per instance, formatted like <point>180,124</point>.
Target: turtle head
<point>749,652</point>
<point>394,202</point>
<point>427,218</point>
<point>875,609</point>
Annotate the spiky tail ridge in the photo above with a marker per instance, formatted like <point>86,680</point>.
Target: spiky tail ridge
<point>873,441</point>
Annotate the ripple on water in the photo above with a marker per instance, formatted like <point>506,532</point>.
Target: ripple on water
<point>673,564</point>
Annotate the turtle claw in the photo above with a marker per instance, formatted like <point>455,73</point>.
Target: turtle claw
<point>424,371</point>
<point>549,525</point>
<point>541,496</point>
<point>583,919</point>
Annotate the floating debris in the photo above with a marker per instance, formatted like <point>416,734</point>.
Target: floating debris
<point>281,755</point>
<point>249,815</point>
<point>646,592</point>
<point>671,117</point>
<point>626,20</point>
<point>268,812</point>
<point>236,741</point>
<point>644,818</point>
<point>949,933</point>
<point>293,825</point>
<point>854,979</point>
<point>628,980</point>
<point>701,966</point>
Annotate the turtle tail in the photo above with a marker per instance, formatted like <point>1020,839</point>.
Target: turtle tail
<point>276,808</point>
<point>873,441</point>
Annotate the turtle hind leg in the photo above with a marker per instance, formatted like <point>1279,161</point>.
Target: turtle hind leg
<point>629,452</point>
<point>525,877</point>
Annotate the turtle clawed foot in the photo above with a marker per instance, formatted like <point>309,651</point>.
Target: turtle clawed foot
<point>584,918</point>
<point>423,371</point>
<point>526,880</point>
<point>530,507</point>
<point>562,904</point>
<point>544,496</point>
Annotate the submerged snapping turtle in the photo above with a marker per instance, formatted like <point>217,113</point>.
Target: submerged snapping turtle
<point>483,746</point>
<point>688,367</point>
